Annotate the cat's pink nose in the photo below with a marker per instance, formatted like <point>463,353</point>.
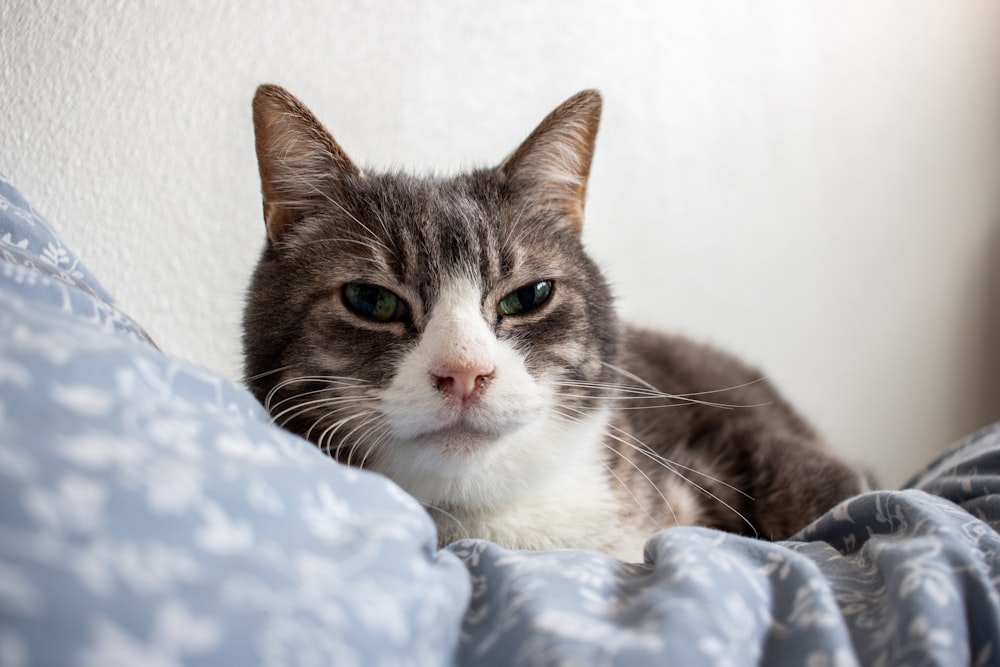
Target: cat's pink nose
<point>463,384</point>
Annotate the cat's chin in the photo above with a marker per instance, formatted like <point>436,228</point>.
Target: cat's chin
<point>461,441</point>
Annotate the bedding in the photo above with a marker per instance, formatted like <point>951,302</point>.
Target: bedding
<point>150,514</point>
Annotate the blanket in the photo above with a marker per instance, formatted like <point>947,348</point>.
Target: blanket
<point>151,514</point>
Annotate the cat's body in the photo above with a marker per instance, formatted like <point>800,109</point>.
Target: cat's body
<point>452,334</point>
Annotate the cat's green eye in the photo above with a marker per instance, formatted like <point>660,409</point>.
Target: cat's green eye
<point>525,299</point>
<point>373,302</point>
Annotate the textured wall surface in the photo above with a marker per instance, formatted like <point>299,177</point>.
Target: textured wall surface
<point>813,185</point>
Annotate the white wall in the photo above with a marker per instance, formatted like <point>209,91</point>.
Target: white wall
<point>815,185</point>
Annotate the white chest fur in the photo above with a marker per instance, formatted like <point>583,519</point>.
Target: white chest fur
<point>574,505</point>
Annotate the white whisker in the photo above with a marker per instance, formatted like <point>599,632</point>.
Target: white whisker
<point>437,508</point>
<point>638,393</point>
<point>297,397</point>
<point>304,407</point>
<point>266,373</point>
<point>373,418</point>
<point>629,491</point>
<point>331,380</point>
<point>331,430</point>
<point>643,449</point>
<point>340,206</point>
<point>374,444</point>
<point>362,242</point>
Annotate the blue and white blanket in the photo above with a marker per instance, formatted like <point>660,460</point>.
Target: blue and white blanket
<point>151,515</point>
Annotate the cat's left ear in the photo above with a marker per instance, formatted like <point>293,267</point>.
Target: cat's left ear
<point>551,167</point>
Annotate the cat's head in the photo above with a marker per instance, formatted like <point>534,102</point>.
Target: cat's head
<point>450,333</point>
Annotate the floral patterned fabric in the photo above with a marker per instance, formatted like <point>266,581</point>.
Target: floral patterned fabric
<point>151,515</point>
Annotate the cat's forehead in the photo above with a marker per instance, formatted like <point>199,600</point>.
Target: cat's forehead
<point>433,205</point>
<point>436,226</point>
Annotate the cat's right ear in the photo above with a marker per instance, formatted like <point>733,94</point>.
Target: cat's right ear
<point>301,166</point>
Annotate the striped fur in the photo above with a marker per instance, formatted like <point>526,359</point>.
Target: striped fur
<point>553,427</point>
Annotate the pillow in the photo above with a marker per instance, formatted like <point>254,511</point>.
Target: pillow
<point>150,514</point>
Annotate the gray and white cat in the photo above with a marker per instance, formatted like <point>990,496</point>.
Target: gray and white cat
<point>453,334</point>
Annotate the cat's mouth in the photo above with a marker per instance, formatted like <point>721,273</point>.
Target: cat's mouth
<point>463,438</point>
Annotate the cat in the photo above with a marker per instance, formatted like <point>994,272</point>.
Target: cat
<point>453,334</point>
